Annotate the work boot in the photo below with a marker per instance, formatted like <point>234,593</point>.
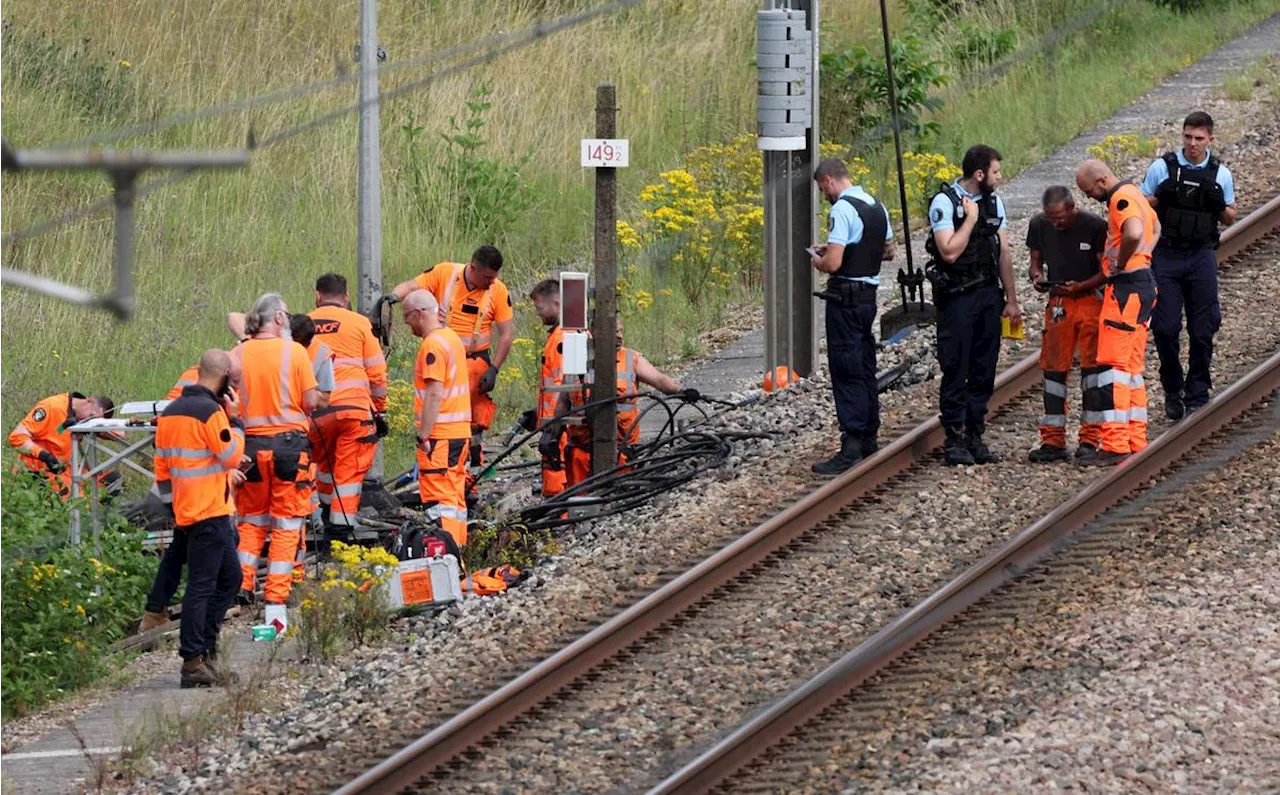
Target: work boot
<point>978,448</point>
<point>224,674</point>
<point>954,450</point>
<point>197,673</point>
<point>1086,452</point>
<point>850,454</point>
<point>1174,408</point>
<point>1048,454</point>
<point>152,619</point>
<point>1105,458</point>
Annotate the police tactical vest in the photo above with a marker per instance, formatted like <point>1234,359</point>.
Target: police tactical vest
<point>864,258</point>
<point>1188,203</point>
<point>981,257</point>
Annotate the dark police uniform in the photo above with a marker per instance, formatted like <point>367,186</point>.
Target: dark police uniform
<point>1189,197</point>
<point>861,225</point>
<point>969,302</point>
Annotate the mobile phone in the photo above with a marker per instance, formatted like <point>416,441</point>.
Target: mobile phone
<point>813,251</point>
<point>1046,283</point>
<point>224,389</point>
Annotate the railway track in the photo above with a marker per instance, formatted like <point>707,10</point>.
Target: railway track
<point>631,651</point>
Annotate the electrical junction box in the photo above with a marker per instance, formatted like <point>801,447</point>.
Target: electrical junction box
<point>575,353</point>
<point>573,301</point>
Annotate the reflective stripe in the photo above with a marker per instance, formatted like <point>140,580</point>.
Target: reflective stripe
<point>1089,381</point>
<point>326,497</point>
<point>1109,377</point>
<point>1112,415</point>
<point>341,518</point>
<point>287,523</point>
<point>23,430</point>
<point>1055,388</point>
<point>348,489</point>
<point>183,452</point>
<point>461,390</point>
<point>230,454</point>
<point>280,567</point>
<point>198,472</point>
<point>1054,421</point>
<point>248,558</point>
<point>288,418</point>
<point>255,519</point>
<point>324,477</point>
<point>376,361</point>
<point>1091,417</point>
<point>1137,415</point>
<point>378,391</point>
<point>1137,382</point>
<point>450,512</point>
<point>286,354</point>
<point>351,383</point>
<point>454,416</point>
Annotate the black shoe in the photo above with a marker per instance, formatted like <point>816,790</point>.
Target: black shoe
<point>244,598</point>
<point>955,451</point>
<point>850,454</point>
<point>1105,458</point>
<point>197,673</point>
<point>978,448</point>
<point>1086,452</point>
<point>1193,409</point>
<point>1048,454</point>
<point>1173,407</point>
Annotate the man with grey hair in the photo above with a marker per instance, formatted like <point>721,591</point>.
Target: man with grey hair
<point>278,393</point>
<point>858,240</point>
<point>1071,244</point>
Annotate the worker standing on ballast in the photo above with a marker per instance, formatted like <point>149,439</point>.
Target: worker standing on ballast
<point>1193,192</point>
<point>1070,243</point>
<point>632,369</point>
<point>441,412</point>
<point>278,393</point>
<point>199,448</point>
<point>858,241</point>
<point>477,306</point>
<point>545,296</point>
<point>969,264</point>
<point>1127,304</point>
<point>349,428</point>
<point>43,438</point>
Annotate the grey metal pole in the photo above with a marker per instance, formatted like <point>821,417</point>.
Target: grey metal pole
<point>604,419</point>
<point>369,223</point>
<point>124,194</point>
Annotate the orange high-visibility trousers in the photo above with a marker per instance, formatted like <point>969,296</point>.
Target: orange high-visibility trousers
<point>1070,326</point>
<point>555,481</point>
<point>483,409</point>
<point>343,450</point>
<point>442,482</point>
<point>1122,350</point>
<point>275,499</point>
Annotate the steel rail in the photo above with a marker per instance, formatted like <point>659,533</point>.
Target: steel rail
<point>501,707</point>
<point>1033,544</point>
<point>544,680</point>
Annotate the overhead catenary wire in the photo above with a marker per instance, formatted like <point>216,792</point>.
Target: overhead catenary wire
<point>495,47</point>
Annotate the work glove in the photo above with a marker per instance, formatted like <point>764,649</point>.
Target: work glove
<point>1215,198</point>
<point>489,380</point>
<point>528,420</point>
<point>380,427</point>
<point>51,461</point>
<point>549,448</point>
<point>391,299</point>
<point>691,395</point>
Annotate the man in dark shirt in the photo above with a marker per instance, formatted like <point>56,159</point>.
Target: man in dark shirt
<point>1071,244</point>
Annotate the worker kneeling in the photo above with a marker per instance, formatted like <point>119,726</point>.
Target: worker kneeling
<point>279,391</point>
<point>632,369</point>
<point>442,412</point>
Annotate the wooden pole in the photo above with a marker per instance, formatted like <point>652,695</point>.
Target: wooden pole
<point>604,419</point>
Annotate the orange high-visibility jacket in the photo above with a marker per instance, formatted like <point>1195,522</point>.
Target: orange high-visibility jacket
<point>360,368</point>
<point>196,446</point>
<point>628,411</point>
<point>46,426</point>
<point>188,378</point>
<point>471,313</point>
<point>552,375</point>
<point>1126,202</point>
<point>276,374</point>
<point>441,358</point>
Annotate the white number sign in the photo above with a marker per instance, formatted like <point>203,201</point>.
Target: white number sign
<point>604,153</point>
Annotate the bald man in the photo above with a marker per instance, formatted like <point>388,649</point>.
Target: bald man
<point>1120,401</point>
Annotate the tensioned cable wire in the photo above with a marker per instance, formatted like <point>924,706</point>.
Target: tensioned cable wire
<point>499,46</point>
<point>284,94</point>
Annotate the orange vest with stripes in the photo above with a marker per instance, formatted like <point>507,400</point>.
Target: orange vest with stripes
<point>196,448</point>
<point>552,375</point>
<point>276,374</point>
<point>442,358</point>
<point>359,366</point>
<point>1126,202</point>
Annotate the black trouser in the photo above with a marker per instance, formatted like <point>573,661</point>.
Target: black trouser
<point>1190,279</point>
<point>213,577</point>
<point>968,352</point>
<point>851,353</point>
<point>169,574</point>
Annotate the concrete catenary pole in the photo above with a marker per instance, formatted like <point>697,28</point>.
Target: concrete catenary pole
<point>604,419</point>
<point>369,224</point>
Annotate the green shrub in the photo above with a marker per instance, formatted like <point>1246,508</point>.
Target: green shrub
<point>855,91</point>
<point>63,605</point>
